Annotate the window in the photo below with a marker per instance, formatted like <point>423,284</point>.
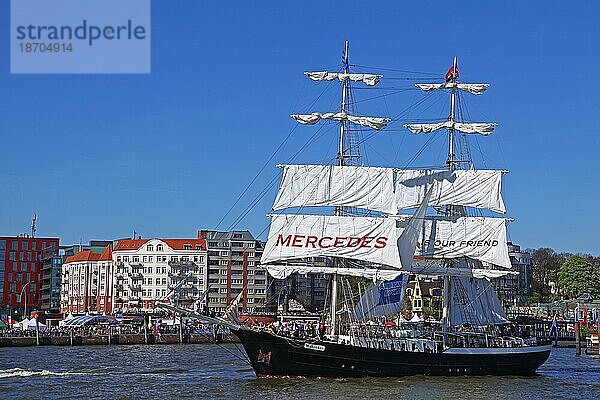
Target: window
<point>149,247</point>
<point>250,291</point>
<point>213,244</point>
<point>136,259</point>
<point>145,258</point>
<point>25,245</point>
<point>185,258</point>
<point>223,281</point>
<point>159,247</point>
<point>223,290</point>
<point>198,247</point>
<point>174,258</point>
<point>187,246</point>
<point>157,281</point>
<point>15,245</point>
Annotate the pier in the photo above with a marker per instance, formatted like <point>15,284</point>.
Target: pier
<point>115,339</point>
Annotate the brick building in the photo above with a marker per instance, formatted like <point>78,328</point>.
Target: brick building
<point>21,273</point>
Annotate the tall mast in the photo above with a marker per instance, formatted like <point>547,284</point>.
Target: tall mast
<point>451,167</point>
<point>340,157</point>
<point>453,78</point>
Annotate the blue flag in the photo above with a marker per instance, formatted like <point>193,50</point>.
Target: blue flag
<point>392,291</point>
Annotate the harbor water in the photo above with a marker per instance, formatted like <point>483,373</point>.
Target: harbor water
<point>217,371</point>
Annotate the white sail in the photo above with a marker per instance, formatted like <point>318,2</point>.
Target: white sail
<point>408,238</point>
<point>470,188</point>
<point>479,238</point>
<point>376,123</point>
<point>473,88</point>
<point>474,302</point>
<point>327,185</point>
<point>483,128</point>
<point>293,237</point>
<point>368,79</point>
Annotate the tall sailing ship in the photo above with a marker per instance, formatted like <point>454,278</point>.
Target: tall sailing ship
<point>386,224</point>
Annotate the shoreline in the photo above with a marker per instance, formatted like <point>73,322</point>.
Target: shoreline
<point>116,339</point>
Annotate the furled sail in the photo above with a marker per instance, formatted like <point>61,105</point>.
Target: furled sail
<point>327,185</point>
<point>479,238</point>
<point>366,239</point>
<point>483,128</point>
<point>368,79</point>
<point>470,188</point>
<point>282,271</point>
<point>376,123</point>
<point>473,88</point>
<point>474,302</point>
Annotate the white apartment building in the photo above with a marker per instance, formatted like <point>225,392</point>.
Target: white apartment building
<point>86,284</point>
<point>146,271</point>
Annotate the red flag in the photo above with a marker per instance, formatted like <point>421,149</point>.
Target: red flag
<point>451,74</point>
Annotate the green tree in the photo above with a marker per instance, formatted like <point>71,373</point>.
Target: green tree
<point>578,275</point>
<point>546,263</point>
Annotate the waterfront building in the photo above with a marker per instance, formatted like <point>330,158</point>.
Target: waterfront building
<point>86,282</point>
<point>309,289</point>
<point>52,261</point>
<point>233,268</point>
<point>515,289</point>
<point>424,297</point>
<point>21,273</point>
<point>151,270</point>
<point>55,288</point>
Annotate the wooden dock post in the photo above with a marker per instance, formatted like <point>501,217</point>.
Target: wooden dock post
<point>180,329</point>
<point>37,332</point>
<point>598,330</point>
<point>577,332</point>
<point>71,336</point>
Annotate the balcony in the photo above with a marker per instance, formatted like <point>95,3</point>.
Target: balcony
<point>136,265</point>
<point>135,288</point>
<point>136,275</point>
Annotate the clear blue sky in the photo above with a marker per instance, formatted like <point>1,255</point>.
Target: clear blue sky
<point>98,156</point>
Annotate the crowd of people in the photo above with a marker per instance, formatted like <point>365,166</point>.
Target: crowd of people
<point>120,329</point>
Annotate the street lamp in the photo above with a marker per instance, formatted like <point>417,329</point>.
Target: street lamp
<point>25,303</point>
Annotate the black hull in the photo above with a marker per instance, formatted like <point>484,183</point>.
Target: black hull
<point>272,355</point>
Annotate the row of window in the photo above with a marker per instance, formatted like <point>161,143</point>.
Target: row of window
<point>227,244</point>
<point>160,259</point>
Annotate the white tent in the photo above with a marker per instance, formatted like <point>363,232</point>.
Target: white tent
<point>22,324</point>
<point>32,325</point>
<point>415,318</point>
